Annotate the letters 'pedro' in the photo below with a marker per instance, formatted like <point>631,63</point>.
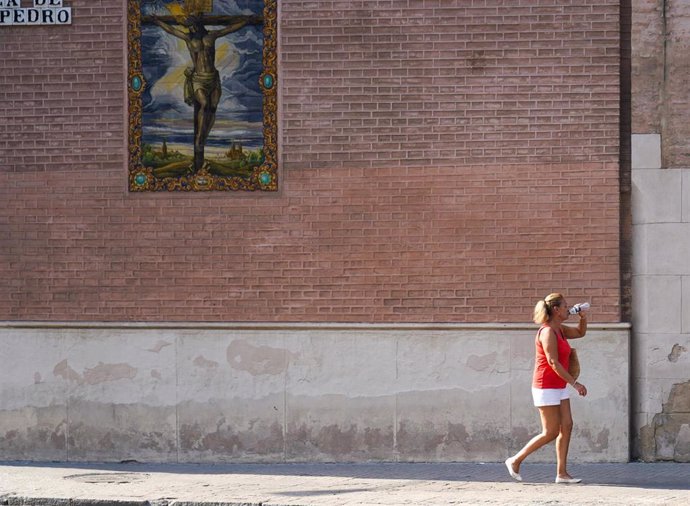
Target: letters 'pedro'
<point>42,12</point>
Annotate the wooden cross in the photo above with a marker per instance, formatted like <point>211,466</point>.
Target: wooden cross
<point>202,9</point>
<point>207,20</point>
<point>201,5</point>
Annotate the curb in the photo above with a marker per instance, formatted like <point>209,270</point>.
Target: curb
<point>48,501</point>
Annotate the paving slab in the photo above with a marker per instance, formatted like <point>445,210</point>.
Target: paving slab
<point>298,484</point>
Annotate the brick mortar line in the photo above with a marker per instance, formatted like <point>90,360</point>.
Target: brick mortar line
<point>291,326</point>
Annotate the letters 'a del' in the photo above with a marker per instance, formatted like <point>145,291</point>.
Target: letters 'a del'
<point>37,3</point>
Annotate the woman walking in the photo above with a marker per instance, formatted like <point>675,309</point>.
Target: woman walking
<point>550,384</point>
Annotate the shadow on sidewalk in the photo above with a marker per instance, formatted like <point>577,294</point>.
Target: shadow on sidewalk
<point>641,475</point>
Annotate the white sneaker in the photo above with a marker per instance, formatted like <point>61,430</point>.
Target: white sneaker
<point>568,480</point>
<point>513,474</point>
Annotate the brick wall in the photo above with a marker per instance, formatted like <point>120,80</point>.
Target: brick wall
<point>441,83</point>
<point>440,162</point>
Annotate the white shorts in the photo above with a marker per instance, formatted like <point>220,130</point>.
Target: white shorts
<point>549,396</point>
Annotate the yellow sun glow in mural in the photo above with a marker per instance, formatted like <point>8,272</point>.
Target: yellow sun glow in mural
<point>182,11</point>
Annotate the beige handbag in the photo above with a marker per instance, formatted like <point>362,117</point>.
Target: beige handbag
<point>574,365</point>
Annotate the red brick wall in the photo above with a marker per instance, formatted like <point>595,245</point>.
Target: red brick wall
<point>440,163</point>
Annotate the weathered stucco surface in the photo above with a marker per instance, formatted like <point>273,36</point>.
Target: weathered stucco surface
<point>661,406</point>
<point>295,393</point>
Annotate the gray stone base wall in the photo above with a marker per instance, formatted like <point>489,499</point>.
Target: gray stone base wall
<point>661,304</point>
<point>270,393</point>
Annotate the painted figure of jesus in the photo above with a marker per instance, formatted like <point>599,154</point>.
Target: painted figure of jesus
<point>202,86</point>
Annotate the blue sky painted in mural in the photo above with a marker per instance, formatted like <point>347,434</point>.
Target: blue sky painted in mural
<point>239,61</point>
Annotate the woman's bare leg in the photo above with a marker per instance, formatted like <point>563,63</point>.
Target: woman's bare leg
<point>550,424</point>
<point>563,440</point>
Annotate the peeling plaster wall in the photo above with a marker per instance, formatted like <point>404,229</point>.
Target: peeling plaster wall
<point>661,230</point>
<point>295,393</point>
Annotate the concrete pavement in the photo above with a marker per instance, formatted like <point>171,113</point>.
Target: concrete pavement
<point>289,484</point>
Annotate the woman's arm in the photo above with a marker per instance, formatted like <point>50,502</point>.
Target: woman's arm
<point>576,333</point>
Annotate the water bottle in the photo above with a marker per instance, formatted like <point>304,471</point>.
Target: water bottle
<point>584,306</point>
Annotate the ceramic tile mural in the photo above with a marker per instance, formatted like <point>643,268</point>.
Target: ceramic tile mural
<point>202,87</point>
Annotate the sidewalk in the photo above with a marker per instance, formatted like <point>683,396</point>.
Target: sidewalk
<point>76,484</point>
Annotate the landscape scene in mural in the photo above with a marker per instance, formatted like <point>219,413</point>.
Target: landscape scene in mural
<point>202,95</point>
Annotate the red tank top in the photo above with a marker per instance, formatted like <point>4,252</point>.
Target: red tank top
<point>544,375</point>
